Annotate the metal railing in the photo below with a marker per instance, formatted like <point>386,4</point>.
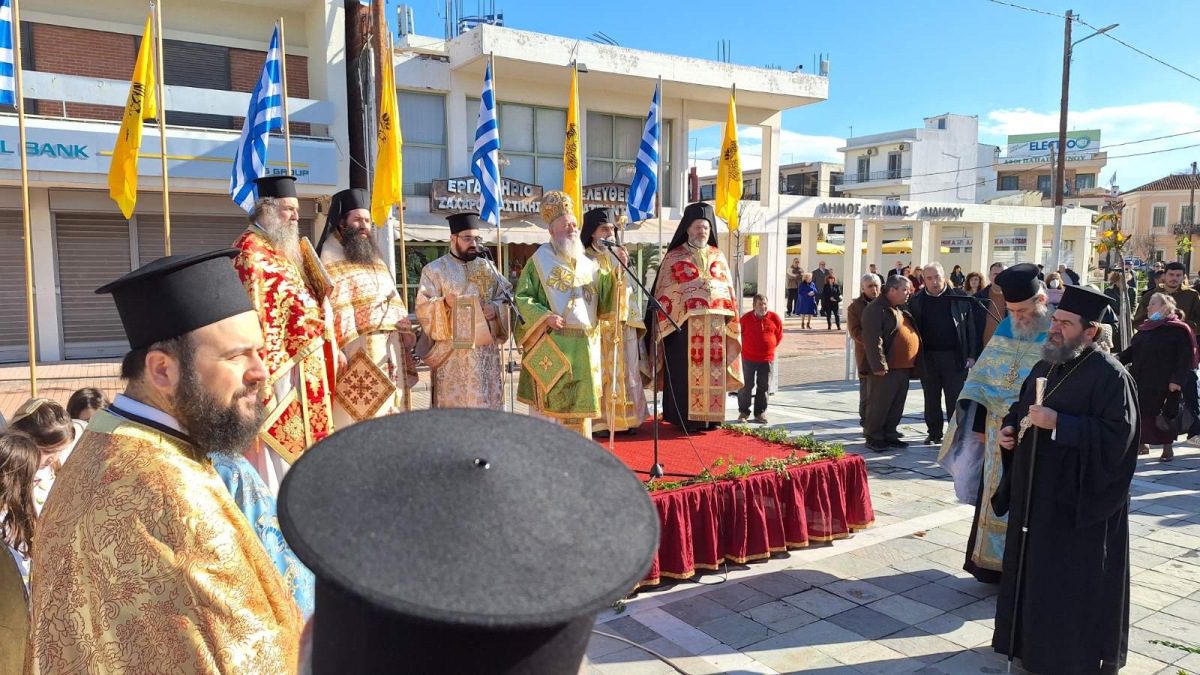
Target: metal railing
<point>888,174</point>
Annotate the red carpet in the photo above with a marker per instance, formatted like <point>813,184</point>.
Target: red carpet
<point>750,518</point>
<point>688,456</point>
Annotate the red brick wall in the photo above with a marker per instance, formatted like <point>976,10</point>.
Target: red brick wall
<point>245,66</point>
<point>91,53</point>
<point>1027,180</point>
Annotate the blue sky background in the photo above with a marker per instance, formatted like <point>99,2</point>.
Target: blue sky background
<point>896,62</point>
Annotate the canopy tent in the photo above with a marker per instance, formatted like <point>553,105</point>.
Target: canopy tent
<point>823,248</point>
<point>900,246</point>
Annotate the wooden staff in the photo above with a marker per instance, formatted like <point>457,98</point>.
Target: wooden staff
<point>30,317</point>
<point>618,376</point>
<point>162,126</point>
<point>287,129</point>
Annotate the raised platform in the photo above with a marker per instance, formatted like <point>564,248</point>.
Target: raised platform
<point>748,517</point>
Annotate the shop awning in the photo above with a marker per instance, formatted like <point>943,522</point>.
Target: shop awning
<point>527,232</point>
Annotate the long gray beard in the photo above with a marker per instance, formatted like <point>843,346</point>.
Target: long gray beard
<point>284,237</point>
<point>361,250</point>
<point>698,243</point>
<point>570,248</point>
<point>1040,324</point>
<point>1060,354</point>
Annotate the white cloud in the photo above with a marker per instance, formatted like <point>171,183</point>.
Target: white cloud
<point>793,147</point>
<point>1117,124</point>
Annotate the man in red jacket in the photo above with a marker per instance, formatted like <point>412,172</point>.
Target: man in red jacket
<point>762,331</point>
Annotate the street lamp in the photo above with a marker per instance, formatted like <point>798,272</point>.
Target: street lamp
<point>1060,170</point>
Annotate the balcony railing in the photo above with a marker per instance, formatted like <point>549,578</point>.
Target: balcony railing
<point>889,174</point>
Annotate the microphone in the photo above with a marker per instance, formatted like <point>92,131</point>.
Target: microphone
<point>608,243</point>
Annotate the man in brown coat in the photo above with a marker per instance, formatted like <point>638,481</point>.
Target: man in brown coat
<point>1187,300</point>
<point>993,300</point>
<point>891,346</point>
<point>870,290</point>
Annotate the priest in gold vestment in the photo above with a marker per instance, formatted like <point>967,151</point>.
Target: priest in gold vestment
<point>370,321</point>
<point>562,296</point>
<point>701,360</point>
<point>624,404</point>
<point>143,562</point>
<point>461,308</point>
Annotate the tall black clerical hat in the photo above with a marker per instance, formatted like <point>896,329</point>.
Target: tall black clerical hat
<point>339,205</point>
<point>592,220</point>
<point>177,294</point>
<point>1085,301</point>
<point>1019,282</point>
<point>466,221</point>
<point>695,211</point>
<point>478,542</point>
<point>276,186</point>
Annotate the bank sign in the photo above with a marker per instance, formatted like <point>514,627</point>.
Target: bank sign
<point>1036,148</point>
<point>190,154</point>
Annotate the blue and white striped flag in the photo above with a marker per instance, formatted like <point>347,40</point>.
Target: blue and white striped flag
<point>8,87</point>
<point>645,176</point>
<point>485,164</point>
<point>264,116</point>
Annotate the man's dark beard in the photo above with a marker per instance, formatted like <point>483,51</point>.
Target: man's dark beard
<point>1060,354</point>
<point>360,250</point>
<point>211,426</point>
<point>467,256</point>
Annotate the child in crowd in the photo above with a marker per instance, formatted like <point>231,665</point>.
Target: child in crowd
<point>19,460</point>
<point>84,402</point>
<point>55,434</point>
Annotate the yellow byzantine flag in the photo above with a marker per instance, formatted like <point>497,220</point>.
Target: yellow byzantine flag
<point>386,191</point>
<point>141,105</point>
<point>729,172</point>
<point>572,161</point>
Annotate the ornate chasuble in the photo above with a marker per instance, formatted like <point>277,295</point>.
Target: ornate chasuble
<point>995,383</point>
<point>369,318</point>
<point>143,563</point>
<point>297,393</point>
<point>625,342</point>
<point>465,376</point>
<point>696,289</point>
<point>560,369</point>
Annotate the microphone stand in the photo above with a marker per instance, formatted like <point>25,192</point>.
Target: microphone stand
<point>509,364</point>
<point>652,303</point>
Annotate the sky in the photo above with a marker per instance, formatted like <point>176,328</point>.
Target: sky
<point>895,62</point>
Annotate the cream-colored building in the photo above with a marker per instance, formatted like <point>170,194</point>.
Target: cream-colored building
<point>1157,213</point>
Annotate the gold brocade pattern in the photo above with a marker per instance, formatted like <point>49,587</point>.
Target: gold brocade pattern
<point>145,564</point>
<point>561,279</point>
<point>362,388</point>
<point>621,355</point>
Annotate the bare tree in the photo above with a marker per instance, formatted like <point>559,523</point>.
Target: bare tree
<point>1141,246</point>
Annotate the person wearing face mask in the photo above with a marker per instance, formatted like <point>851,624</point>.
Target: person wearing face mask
<point>1162,358</point>
<point>465,345</point>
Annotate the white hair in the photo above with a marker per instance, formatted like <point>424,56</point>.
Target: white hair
<point>935,266</point>
<point>868,278</point>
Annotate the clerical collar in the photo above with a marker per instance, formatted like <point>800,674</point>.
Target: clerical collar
<point>458,257</point>
<point>125,404</point>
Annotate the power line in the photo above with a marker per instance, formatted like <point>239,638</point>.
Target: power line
<point>1123,43</point>
<point>1027,9</point>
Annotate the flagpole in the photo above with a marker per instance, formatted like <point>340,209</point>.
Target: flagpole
<point>499,217</point>
<point>162,126</point>
<point>29,308</point>
<point>287,129</point>
<point>389,63</point>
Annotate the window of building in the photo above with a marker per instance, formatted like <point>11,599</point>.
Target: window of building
<point>612,148</point>
<point>864,168</point>
<point>193,64</point>
<point>942,123</point>
<point>423,124</point>
<point>1158,216</point>
<point>750,189</point>
<point>1185,215</point>
<point>708,192</point>
<point>1010,183</point>
<point>531,138</point>
<point>1085,181</point>
<point>1043,184</point>
<point>894,164</point>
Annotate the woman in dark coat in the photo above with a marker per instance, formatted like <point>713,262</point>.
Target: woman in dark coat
<point>1162,360</point>
<point>831,298</point>
<point>957,278</point>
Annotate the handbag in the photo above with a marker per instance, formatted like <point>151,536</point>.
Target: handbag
<point>1174,417</point>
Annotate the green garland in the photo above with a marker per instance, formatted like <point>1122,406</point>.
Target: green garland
<point>722,469</point>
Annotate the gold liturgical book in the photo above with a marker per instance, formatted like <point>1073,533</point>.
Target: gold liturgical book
<point>469,329</point>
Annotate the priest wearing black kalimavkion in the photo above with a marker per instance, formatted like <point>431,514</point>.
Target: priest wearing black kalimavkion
<point>1070,461</point>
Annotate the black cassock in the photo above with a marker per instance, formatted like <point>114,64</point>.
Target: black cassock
<point>1074,609</point>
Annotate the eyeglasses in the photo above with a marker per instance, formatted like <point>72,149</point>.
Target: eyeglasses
<point>469,239</point>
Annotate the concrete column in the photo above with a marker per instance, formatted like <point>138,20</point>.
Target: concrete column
<point>457,159</point>
<point>1084,253</point>
<point>981,248</point>
<point>326,35</point>
<point>45,281</point>
<point>852,271</point>
<point>1033,243</point>
<point>923,252</point>
<point>808,244</point>
<point>772,268</point>
<point>874,247</point>
<point>769,176</point>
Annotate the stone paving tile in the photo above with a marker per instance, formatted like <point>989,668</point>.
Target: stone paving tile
<point>867,622</point>
<point>857,591</point>
<point>1137,612</point>
<point>780,616</point>
<point>1167,624</point>
<point>958,630</point>
<point>797,650</point>
<point>1177,538</point>
<point>917,644</point>
<point>904,609</point>
<point>629,627</point>
<point>630,661</point>
<point>965,583</point>
<point>1190,663</point>
<point>868,656</point>
<point>1165,582</point>
<point>697,610</point>
<point>849,566</point>
<point>1184,609</point>
<point>736,630</point>
<point>894,580</point>
<point>599,645</point>
<point>819,603</point>
<point>777,584</point>
<point>1141,641</point>
<point>738,597</point>
<point>942,597</point>
<point>982,660</point>
<point>925,569</point>
<point>980,610</point>
<point>1180,570</point>
<point>1148,597</point>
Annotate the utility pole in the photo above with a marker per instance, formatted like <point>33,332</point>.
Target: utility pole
<point>1191,221</point>
<point>1060,170</point>
<point>358,29</point>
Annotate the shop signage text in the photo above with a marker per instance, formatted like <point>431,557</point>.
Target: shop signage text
<point>1025,148</point>
<point>887,210</point>
<point>458,195</point>
<point>58,150</point>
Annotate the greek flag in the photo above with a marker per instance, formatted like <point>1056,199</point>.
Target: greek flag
<point>485,163</point>
<point>264,116</point>
<point>8,88</point>
<point>645,176</point>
